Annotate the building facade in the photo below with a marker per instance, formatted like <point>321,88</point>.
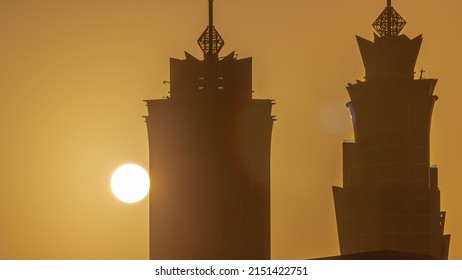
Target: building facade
<point>209,156</point>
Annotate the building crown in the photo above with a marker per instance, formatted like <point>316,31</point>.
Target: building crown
<point>210,41</point>
<point>389,22</point>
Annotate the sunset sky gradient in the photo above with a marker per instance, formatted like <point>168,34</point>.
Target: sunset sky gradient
<point>74,74</point>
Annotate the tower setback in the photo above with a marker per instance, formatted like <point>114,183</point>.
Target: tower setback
<point>390,199</point>
<point>209,155</point>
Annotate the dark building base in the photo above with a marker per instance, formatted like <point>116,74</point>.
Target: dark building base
<point>380,255</point>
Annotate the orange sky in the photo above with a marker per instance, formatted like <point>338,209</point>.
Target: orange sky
<point>73,75</point>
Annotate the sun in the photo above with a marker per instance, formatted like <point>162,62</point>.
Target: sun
<point>130,183</point>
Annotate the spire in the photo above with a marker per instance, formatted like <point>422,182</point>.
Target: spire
<point>210,41</point>
<point>389,23</point>
<point>210,13</point>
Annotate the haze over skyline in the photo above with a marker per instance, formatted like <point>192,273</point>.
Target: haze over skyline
<point>73,77</point>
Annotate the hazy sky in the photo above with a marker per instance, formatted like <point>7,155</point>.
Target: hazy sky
<point>74,74</point>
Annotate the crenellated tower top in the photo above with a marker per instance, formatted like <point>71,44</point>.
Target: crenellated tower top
<point>391,55</point>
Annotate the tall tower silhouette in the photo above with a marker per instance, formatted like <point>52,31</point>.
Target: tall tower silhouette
<point>390,199</point>
<point>209,155</point>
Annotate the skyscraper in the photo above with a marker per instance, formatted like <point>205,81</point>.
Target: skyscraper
<point>209,156</point>
<point>390,199</point>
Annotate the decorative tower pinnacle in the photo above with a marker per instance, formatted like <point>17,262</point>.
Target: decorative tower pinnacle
<point>389,22</point>
<point>210,41</point>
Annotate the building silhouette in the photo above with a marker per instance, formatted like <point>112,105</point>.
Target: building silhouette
<point>380,255</point>
<point>209,156</point>
<point>390,200</point>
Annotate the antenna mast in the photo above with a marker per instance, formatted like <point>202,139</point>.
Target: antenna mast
<point>211,27</point>
<point>389,17</point>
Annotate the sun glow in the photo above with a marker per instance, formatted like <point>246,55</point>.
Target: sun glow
<point>130,183</point>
